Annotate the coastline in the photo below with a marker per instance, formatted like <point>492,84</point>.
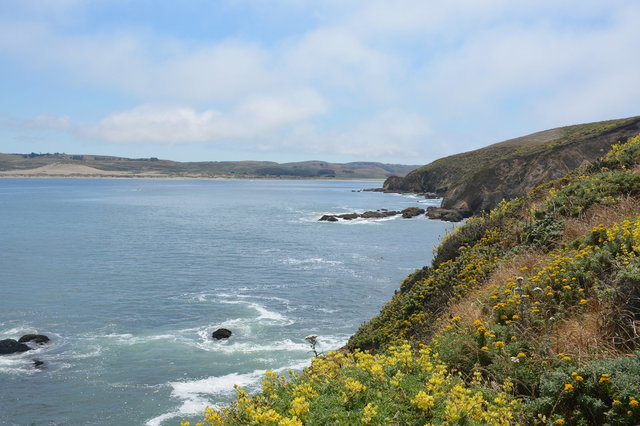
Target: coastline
<point>169,177</point>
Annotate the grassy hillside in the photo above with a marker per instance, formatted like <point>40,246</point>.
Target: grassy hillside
<point>207,169</point>
<point>529,314</point>
<point>478,180</point>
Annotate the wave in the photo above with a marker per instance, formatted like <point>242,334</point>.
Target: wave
<point>263,313</point>
<point>309,262</point>
<point>230,346</point>
<point>17,364</point>
<point>130,339</point>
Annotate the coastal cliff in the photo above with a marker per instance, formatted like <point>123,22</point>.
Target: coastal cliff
<point>477,181</point>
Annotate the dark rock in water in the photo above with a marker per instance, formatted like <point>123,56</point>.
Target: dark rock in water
<point>411,212</point>
<point>373,215</point>
<point>40,339</point>
<point>449,215</point>
<point>38,363</point>
<point>349,216</point>
<point>10,346</point>
<point>221,333</point>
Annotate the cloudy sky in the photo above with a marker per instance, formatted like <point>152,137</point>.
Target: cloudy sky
<point>404,81</point>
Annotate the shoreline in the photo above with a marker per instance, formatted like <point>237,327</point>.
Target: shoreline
<point>168,177</point>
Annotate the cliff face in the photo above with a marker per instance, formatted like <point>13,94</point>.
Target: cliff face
<point>478,180</point>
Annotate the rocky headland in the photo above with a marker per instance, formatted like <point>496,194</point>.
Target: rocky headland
<point>476,181</point>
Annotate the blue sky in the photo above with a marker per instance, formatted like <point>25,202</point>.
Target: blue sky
<point>405,81</point>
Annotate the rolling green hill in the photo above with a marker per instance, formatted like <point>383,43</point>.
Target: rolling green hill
<point>77,165</point>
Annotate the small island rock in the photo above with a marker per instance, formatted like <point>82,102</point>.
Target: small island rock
<point>10,346</point>
<point>410,212</point>
<point>221,333</point>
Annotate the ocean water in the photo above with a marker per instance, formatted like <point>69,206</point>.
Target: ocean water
<point>130,277</point>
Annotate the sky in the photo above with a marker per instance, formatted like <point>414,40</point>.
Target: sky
<point>403,81</point>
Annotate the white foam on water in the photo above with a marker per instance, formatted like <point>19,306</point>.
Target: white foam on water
<point>263,313</point>
<point>17,364</point>
<point>230,346</point>
<point>279,299</point>
<point>369,221</point>
<point>309,261</point>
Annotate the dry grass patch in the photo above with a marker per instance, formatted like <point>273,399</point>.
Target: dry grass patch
<point>469,308</point>
<point>584,337</point>
<point>600,215</point>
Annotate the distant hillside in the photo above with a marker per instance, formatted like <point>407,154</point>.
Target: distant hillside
<point>478,180</point>
<point>105,166</point>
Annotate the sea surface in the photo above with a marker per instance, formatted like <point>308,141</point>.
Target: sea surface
<point>129,278</point>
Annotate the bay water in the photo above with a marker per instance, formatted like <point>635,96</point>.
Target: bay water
<point>129,278</point>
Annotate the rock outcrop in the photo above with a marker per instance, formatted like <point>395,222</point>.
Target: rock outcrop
<point>448,215</point>
<point>11,346</point>
<point>407,213</point>
<point>410,212</point>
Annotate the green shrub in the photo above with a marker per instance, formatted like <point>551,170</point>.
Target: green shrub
<point>543,232</point>
<point>601,392</point>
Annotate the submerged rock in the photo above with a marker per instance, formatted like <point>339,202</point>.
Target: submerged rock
<point>39,339</point>
<point>11,346</point>
<point>328,218</point>
<point>221,333</point>
<point>38,364</point>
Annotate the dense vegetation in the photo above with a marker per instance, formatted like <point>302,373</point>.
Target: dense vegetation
<point>528,314</point>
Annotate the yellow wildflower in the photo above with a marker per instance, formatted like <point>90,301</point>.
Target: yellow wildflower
<point>369,411</point>
<point>423,401</point>
<point>286,421</point>
<point>299,406</point>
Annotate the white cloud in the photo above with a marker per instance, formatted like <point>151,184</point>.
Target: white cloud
<point>386,134</point>
<point>252,119</point>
